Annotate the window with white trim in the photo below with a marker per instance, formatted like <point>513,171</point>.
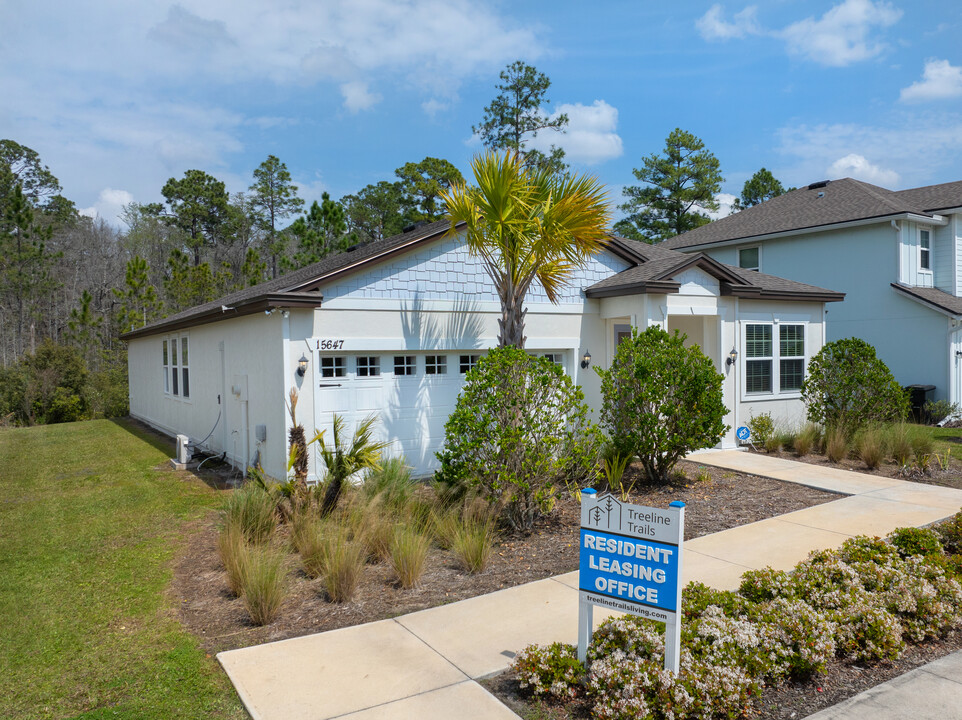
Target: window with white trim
<point>166,369</point>
<point>468,362</point>
<point>368,366</point>
<point>556,358</point>
<point>749,258</point>
<point>333,367</point>
<point>774,367</point>
<point>405,365</point>
<point>184,369</point>
<point>435,364</point>
<point>174,374</point>
<point>925,250</point>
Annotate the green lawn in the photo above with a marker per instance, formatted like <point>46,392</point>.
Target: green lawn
<point>88,530</point>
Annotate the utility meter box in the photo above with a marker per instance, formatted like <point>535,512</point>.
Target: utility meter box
<point>260,432</point>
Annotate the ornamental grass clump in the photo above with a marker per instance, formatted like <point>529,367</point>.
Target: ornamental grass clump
<point>235,555</point>
<point>264,585</point>
<point>390,483</point>
<point>836,445</point>
<point>473,544</point>
<point>253,511</point>
<point>343,566</point>
<point>870,446</point>
<point>409,551</point>
<point>900,444</point>
<point>807,439</point>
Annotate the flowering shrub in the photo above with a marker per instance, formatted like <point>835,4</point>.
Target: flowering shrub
<point>916,541</point>
<point>863,601</point>
<point>951,534</point>
<point>553,670</point>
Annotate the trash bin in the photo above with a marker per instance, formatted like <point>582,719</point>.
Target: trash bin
<point>918,395</point>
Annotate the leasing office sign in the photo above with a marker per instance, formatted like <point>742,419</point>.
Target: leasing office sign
<point>630,561</point>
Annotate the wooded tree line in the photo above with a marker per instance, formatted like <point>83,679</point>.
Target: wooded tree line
<point>70,285</point>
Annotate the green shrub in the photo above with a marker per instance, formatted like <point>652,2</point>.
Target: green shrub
<point>661,400</point>
<point>520,431</point>
<point>409,551</point>
<point>951,534</point>
<point>847,386</point>
<point>836,445</point>
<point>253,511</point>
<point>937,410</point>
<point>264,586</point>
<point>762,428</point>
<point>870,446</point>
<point>551,670</point>
<point>863,549</point>
<point>916,541</point>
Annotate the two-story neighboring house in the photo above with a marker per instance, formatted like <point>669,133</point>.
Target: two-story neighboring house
<point>897,256</point>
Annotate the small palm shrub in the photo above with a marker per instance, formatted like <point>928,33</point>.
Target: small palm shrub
<point>265,584</point>
<point>253,510</point>
<point>870,446</point>
<point>836,445</point>
<point>473,544</point>
<point>235,555</point>
<point>409,551</point>
<point>344,562</point>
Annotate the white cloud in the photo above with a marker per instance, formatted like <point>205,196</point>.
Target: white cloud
<point>590,137</point>
<point>713,26</point>
<point>908,152</point>
<point>433,106</point>
<point>358,97</point>
<point>725,202</point>
<point>940,80</point>
<point>109,205</point>
<point>842,35</point>
<point>856,166</point>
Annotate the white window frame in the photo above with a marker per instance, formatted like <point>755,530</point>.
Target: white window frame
<point>926,250</point>
<point>758,267</point>
<point>184,368</point>
<point>409,365</point>
<point>367,366</point>
<point>774,358</point>
<point>165,359</point>
<point>435,364</point>
<point>174,346</point>
<point>337,366</point>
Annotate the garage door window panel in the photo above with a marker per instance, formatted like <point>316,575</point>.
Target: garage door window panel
<point>405,365</point>
<point>333,367</point>
<point>436,365</point>
<point>368,366</point>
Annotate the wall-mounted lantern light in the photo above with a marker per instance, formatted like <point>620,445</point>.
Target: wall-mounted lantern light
<point>958,353</point>
<point>586,360</point>
<point>302,366</point>
<point>732,357</point>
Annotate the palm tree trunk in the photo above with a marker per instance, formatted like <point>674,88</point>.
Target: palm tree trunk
<point>511,324</point>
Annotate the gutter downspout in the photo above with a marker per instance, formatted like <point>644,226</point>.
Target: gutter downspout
<point>898,250</point>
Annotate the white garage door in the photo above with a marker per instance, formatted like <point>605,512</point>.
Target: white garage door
<point>411,394</point>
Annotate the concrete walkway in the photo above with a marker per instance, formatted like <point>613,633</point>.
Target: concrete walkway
<point>425,664</point>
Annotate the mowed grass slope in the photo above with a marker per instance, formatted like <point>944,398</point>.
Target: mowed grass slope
<point>88,530</point>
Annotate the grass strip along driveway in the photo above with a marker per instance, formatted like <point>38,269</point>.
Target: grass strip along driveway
<point>88,529</point>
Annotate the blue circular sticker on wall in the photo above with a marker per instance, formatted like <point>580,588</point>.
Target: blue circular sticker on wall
<point>743,433</point>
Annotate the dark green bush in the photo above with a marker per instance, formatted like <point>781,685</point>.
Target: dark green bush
<point>847,386</point>
<point>519,432</point>
<point>762,427</point>
<point>951,533</point>
<point>916,541</point>
<point>661,400</point>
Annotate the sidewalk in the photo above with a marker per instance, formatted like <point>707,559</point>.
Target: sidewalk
<point>425,664</point>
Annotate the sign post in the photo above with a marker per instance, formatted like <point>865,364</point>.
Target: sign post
<point>631,560</point>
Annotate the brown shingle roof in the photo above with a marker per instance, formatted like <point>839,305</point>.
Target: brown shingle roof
<point>820,205</point>
<point>933,297</point>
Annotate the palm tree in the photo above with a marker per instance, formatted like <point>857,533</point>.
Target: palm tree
<point>527,225</point>
<point>342,462</point>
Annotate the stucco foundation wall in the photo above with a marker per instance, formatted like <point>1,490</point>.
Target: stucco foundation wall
<point>242,354</point>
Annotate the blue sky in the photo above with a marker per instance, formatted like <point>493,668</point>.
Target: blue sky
<point>118,96</point>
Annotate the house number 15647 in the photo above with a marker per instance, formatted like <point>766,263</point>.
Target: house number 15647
<point>330,344</point>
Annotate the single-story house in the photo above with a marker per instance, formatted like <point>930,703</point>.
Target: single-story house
<point>897,255</point>
<point>391,328</point>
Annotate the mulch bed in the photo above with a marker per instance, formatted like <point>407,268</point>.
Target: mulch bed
<point>718,501</point>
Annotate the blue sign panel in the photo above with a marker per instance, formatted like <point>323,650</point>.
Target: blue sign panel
<point>629,569</point>
<point>743,433</point>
